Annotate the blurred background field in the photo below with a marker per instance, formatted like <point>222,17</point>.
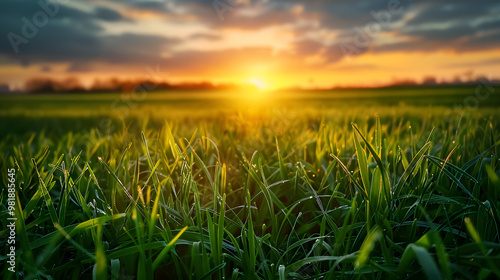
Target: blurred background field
<point>58,113</point>
<point>344,184</point>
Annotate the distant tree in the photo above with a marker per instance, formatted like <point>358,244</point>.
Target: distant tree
<point>429,81</point>
<point>4,88</point>
<point>39,85</point>
<point>403,82</point>
<point>46,85</point>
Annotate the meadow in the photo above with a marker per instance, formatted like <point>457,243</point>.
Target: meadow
<point>396,183</point>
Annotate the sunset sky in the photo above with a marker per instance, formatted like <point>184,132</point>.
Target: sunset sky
<point>269,43</point>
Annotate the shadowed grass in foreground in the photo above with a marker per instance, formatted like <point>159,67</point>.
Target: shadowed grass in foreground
<point>262,198</point>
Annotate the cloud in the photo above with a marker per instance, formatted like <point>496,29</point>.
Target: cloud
<point>481,42</point>
<point>107,14</point>
<point>74,36</point>
<point>206,36</point>
<point>454,10</point>
<point>310,48</point>
<point>460,26</point>
<point>150,6</point>
<point>485,62</point>
<point>424,27</point>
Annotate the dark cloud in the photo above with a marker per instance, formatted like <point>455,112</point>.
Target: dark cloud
<point>481,42</point>
<point>445,35</point>
<point>74,36</point>
<point>489,25</point>
<point>458,25</point>
<point>330,14</point>
<point>347,15</point>
<point>59,43</point>
<point>454,10</point>
<point>107,14</point>
<point>459,38</point>
<point>155,6</point>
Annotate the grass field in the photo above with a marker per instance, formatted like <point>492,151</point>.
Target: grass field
<point>371,184</point>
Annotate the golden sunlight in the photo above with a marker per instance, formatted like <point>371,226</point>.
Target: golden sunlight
<point>258,83</point>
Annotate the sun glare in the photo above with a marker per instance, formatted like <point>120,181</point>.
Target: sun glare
<point>258,83</point>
